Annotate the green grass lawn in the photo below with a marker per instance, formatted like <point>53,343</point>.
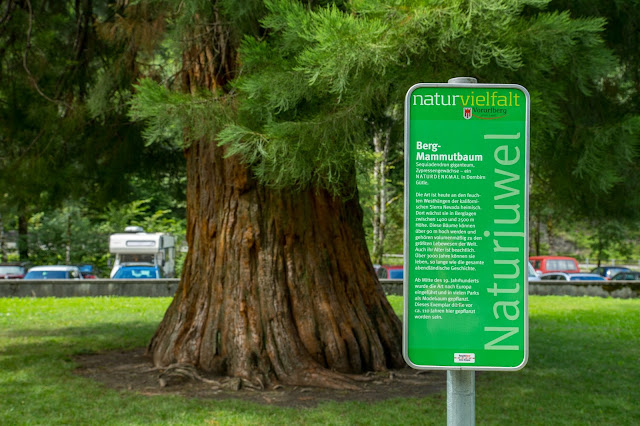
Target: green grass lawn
<point>584,368</point>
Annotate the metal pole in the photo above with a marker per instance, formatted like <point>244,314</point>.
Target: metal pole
<point>463,80</point>
<point>461,384</point>
<point>461,398</point>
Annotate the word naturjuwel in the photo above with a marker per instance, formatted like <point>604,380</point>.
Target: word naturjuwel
<point>507,240</point>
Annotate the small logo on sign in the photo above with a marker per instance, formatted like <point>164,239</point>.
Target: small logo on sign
<point>467,112</point>
<point>464,358</point>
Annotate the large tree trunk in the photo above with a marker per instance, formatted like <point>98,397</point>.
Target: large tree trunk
<point>277,287</point>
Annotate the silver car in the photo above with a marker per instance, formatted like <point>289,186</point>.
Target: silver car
<point>533,275</point>
<point>564,276</point>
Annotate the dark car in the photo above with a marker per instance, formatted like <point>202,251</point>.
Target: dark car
<point>137,272</point>
<point>626,276</point>
<point>87,271</point>
<point>12,271</point>
<point>609,271</point>
<point>564,276</point>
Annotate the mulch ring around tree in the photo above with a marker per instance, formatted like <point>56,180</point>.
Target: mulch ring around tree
<point>133,371</point>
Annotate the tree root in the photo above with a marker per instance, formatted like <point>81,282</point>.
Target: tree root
<point>179,373</point>
<point>176,374</point>
<point>322,378</point>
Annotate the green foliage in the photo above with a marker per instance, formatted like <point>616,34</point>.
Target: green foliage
<point>63,231</point>
<point>313,76</point>
<point>175,118</point>
<point>40,121</point>
<point>138,213</point>
<point>585,158</point>
<point>308,88</point>
<point>160,108</point>
<point>590,149</point>
<point>105,97</point>
<point>65,138</point>
<point>83,236</point>
<point>610,241</point>
<point>603,240</point>
<point>307,81</point>
<point>116,216</point>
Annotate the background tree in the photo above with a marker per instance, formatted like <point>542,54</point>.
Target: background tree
<point>278,286</point>
<point>45,56</point>
<point>586,163</point>
<point>386,182</point>
<point>65,136</point>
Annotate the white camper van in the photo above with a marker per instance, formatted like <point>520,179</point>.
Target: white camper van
<point>136,247</point>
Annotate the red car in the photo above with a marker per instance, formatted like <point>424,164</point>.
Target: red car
<point>12,271</point>
<point>544,264</point>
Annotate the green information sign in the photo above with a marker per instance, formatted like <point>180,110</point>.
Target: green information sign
<point>466,226</point>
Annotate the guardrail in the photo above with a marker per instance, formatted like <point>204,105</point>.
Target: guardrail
<point>89,288</point>
<point>617,289</point>
<point>167,288</point>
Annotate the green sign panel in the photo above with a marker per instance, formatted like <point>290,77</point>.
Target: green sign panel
<point>466,226</point>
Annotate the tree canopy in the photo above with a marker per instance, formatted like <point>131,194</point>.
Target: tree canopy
<point>314,78</point>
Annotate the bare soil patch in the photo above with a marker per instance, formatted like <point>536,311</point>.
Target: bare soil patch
<point>133,371</point>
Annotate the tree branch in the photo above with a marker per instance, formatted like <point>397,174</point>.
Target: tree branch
<point>32,79</point>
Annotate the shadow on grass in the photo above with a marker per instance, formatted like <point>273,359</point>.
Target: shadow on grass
<point>104,329</point>
<point>69,341</point>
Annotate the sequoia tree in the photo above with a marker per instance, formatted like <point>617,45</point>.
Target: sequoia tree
<point>273,108</point>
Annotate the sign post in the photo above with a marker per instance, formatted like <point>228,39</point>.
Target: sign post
<point>466,227</point>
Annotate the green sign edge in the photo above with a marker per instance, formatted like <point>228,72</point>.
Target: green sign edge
<point>407,187</point>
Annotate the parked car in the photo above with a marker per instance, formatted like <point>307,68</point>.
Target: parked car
<point>137,272</point>
<point>54,272</point>
<point>12,271</point>
<point>545,264</point>
<point>390,272</point>
<point>609,271</point>
<point>87,272</point>
<point>533,275</point>
<point>564,276</point>
<point>627,276</point>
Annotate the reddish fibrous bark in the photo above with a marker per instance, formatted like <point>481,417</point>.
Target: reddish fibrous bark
<point>277,287</point>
